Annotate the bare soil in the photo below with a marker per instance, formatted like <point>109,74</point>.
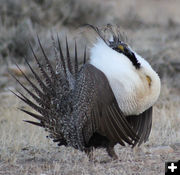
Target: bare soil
<point>153,26</point>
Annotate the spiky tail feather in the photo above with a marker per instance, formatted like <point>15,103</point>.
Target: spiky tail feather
<point>54,87</point>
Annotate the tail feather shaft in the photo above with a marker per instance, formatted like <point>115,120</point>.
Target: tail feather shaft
<point>43,72</point>
<point>50,96</point>
<point>49,66</point>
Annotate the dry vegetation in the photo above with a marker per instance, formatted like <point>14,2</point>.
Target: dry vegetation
<point>24,149</point>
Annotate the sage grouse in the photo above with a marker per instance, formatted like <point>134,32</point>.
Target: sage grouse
<point>106,101</point>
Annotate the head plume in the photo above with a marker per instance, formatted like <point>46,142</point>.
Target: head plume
<point>113,37</point>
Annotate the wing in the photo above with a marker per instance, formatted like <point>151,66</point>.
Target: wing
<point>142,124</point>
<point>96,110</point>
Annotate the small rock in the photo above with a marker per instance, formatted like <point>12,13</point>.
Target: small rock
<point>162,150</point>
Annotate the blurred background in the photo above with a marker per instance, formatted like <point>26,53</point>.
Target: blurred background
<point>153,29</point>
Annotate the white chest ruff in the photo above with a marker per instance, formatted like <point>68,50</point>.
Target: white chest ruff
<point>125,97</point>
<point>129,85</point>
<point>132,96</point>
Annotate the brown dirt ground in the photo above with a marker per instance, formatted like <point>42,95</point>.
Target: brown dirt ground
<point>154,27</point>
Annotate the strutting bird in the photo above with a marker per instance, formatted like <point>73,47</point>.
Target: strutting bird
<point>106,101</point>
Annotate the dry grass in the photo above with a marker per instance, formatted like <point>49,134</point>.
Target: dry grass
<point>24,149</point>
<point>21,20</point>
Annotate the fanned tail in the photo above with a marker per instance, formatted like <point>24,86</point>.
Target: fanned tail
<point>50,96</point>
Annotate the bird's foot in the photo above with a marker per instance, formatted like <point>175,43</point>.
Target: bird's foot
<point>111,152</point>
<point>89,152</point>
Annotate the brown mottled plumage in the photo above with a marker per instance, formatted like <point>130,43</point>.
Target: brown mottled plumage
<point>78,107</point>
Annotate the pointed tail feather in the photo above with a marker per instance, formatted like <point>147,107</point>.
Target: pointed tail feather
<point>36,116</point>
<point>43,72</point>
<point>68,57</point>
<point>84,60</point>
<point>34,123</point>
<point>61,56</point>
<point>38,92</point>
<point>50,95</point>
<point>49,66</point>
<point>76,60</point>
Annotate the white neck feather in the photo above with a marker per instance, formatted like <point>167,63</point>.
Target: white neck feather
<point>129,84</point>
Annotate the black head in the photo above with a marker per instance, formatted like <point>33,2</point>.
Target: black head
<point>123,48</point>
<point>118,41</point>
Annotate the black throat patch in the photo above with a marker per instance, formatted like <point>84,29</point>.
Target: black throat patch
<point>123,48</point>
<point>117,43</point>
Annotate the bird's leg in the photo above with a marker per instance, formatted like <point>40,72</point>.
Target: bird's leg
<point>89,152</point>
<point>111,152</point>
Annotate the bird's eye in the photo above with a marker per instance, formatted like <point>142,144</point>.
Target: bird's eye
<point>148,78</point>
